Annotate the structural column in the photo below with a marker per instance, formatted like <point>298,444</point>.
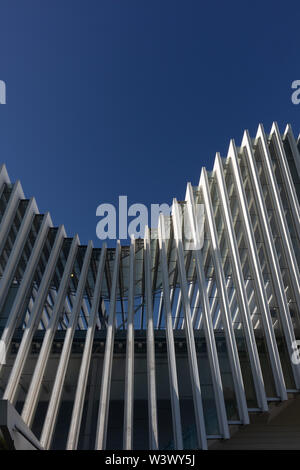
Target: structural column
<point>192,355</point>
<point>56,394</point>
<point>36,313</point>
<point>174,392</point>
<point>101,432</point>
<point>129,373</point>
<point>224,303</point>
<point>271,253</point>
<point>258,277</point>
<point>152,400</point>
<point>74,428</point>
<point>36,381</point>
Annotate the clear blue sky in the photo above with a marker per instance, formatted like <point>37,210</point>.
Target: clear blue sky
<point>117,97</point>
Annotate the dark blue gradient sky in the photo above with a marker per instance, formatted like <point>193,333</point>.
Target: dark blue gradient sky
<point>114,97</point>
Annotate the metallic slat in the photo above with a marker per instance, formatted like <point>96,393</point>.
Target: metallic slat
<point>271,252</point>
<point>129,372</point>
<point>152,400</point>
<point>16,251</point>
<point>56,394</point>
<point>32,397</point>
<point>286,177</point>
<point>224,304</point>
<point>9,214</point>
<point>4,178</point>
<point>207,321</point>
<point>174,393</point>
<point>240,289</point>
<point>282,226</point>
<point>25,283</point>
<point>101,432</point>
<point>20,360</point>
<point>257,276</point>
<point>289,135</point>
<point>74,427</point>
<point>192,355</point>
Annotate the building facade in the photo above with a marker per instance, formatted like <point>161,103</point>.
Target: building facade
<point>155,345</point>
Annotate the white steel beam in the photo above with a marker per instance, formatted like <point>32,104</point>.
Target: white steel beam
<point>289,135</point>
<point>20,360</point>
<point>17,249</point>
<point>152,400</point>
<point>101,432</point>
<point>272,255</point>
<point>224,303</point>
<point>56,394</point>
<point>129,372</point>
<point>240,288</point>
<point>190,340</point>
<point>282,227</point>
<point>77,412</point>
<point>25,283</point>
<point>4,178</point>
<point>207,321</point>
<point>32,397</point>
<point>257,275</point>
<point>9,214</point>
<point>286,177</point>
<point>174,393</point>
